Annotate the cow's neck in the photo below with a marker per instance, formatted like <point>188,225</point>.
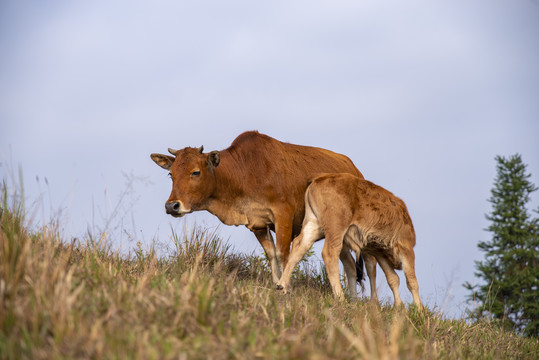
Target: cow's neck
<point>228,200</point>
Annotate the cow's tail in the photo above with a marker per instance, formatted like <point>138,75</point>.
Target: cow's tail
<point>359,269</point>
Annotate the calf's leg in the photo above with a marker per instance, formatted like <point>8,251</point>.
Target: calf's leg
<point>392,278</point>
<point>333,246</point>
<point>310,233</point>
<point>370,266</point>
<point>408,265</point>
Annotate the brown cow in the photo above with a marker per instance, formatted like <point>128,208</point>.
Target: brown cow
<point>349,211</point>
<point>258,182</point>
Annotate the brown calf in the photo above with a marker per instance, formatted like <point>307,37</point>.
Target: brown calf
<point>355,213</point>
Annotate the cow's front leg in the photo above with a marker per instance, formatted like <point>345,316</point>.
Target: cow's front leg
<point>283,234</point>
<point>265,239</point>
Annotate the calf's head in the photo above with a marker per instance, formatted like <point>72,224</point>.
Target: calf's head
<point>193,178</point>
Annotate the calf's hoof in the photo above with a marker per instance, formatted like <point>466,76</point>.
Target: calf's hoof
<point>282,288</point>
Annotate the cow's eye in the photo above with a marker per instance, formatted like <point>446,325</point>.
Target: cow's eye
<point>195,173</point>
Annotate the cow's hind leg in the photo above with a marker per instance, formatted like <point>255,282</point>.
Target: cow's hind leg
<point>350,269</point>
<point>392,278</point>
<point>265,239</point>
<point>310,233</point>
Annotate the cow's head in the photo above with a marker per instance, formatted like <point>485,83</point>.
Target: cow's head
<point>193,178</point>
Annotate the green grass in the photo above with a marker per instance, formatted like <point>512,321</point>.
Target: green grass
<point>63,300</point>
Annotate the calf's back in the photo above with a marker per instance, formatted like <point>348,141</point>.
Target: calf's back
<point>371,218</point>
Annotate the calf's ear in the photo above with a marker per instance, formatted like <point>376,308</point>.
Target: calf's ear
<point>163,161</point>
<point>214,158</point>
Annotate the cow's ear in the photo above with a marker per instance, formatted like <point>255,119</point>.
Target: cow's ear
<point>164,161</point>
<point>214,158</point>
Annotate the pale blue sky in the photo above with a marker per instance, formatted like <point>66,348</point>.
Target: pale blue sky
<point>421,95</point>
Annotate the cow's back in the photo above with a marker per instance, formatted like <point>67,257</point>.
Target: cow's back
<point>275,171</point>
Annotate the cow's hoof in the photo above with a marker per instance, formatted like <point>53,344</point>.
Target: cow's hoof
<point>279,287</point>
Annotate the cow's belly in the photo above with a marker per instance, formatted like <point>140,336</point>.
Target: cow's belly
<point>251,214</point>
<point>258,216</point>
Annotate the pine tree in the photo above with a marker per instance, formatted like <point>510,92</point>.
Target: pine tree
<point>510,271</point>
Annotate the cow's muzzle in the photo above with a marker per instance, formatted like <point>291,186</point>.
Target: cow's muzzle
<point>174,208</point>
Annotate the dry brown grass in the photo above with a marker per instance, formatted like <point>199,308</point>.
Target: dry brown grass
<point>83,300</point>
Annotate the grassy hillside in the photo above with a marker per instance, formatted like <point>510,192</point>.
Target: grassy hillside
<point>79,299</point>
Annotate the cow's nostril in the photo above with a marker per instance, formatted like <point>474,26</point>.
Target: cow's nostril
<point>172,207</point>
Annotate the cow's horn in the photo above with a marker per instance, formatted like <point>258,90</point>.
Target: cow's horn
<point>201,149</point>
<point>172,151</point>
